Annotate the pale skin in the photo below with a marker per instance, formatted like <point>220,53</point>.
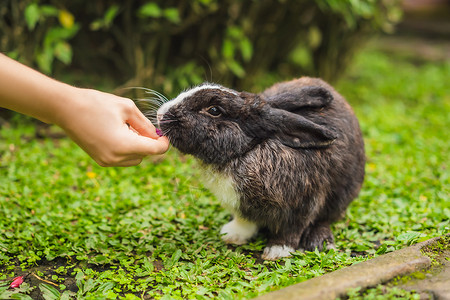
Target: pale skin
<point>111,129</point>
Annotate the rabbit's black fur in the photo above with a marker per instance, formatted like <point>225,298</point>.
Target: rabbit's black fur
<point>293,157</point>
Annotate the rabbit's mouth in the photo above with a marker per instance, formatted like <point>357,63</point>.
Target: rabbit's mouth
<point>159,132</point>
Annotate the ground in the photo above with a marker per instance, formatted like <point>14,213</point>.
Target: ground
<point>421,271</point>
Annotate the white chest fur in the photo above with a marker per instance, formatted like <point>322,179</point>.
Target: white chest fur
<point>239,230</point>
<point>223,187</point>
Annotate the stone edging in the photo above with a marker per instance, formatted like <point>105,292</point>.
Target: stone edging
<point>365,274</point>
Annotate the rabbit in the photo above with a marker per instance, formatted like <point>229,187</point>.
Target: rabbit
<point>290,159</point>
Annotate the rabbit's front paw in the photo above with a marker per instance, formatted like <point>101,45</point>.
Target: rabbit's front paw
<point>277,251</point>
<point>238,231</point>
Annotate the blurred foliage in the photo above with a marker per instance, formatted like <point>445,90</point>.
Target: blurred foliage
<point>169,45</point>
<point>37,33</point>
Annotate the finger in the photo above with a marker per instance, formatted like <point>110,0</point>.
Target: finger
<point>147,146</point>
<point>120,160</point>
<point>141,124</point>
<point>129,163</point>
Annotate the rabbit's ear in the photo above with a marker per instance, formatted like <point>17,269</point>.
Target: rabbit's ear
<point>296,131</point>
<point>287,124</point>
<point>300,98</point>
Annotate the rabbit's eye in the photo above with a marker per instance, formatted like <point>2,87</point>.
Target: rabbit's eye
<point>214,111</point>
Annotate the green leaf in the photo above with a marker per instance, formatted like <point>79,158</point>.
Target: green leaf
<point>101,259</point>
<point>21,297</point>
<point>60,33</point>
<point>235,32</point>
<point>236,68</point>
<point>151,10</point>
<point>49,292</point>
<point>409,237</point>
<point>96,25</point>
<point>89,285</point>
<point>246,49</point>
<point>44,60</point>
<point>68,295</point>
<point>32,15</point>
<point>148,265</point>
<point>106,286</point>
<point>382,249</point>
<point>228,49</point>
<point>49,10</point>
<point>174,259</point>
<point>79,278</point>
<point>14,55</point>
<point>63,51</point>
<point>172,15</point>
<point>107,19</point>
<point>110,14</point>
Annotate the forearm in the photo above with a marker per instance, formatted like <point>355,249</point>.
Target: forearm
<point>109,128</point>
<point>27,91</point>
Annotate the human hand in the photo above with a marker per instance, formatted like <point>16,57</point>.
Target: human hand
<point>109,128</point>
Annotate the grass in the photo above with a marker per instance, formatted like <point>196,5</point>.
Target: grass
<point>439,251</point>
<point>152,231</point>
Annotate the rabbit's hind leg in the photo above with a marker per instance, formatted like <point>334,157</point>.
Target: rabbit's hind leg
<point>281,244</point>
<point>315,235</point>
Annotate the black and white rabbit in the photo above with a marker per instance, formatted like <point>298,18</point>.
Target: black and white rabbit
<point>290,159</point>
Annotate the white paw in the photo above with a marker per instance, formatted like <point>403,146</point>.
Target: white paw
<point>331,246</point>
<point>238,231</point>
<point>276,252</point>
